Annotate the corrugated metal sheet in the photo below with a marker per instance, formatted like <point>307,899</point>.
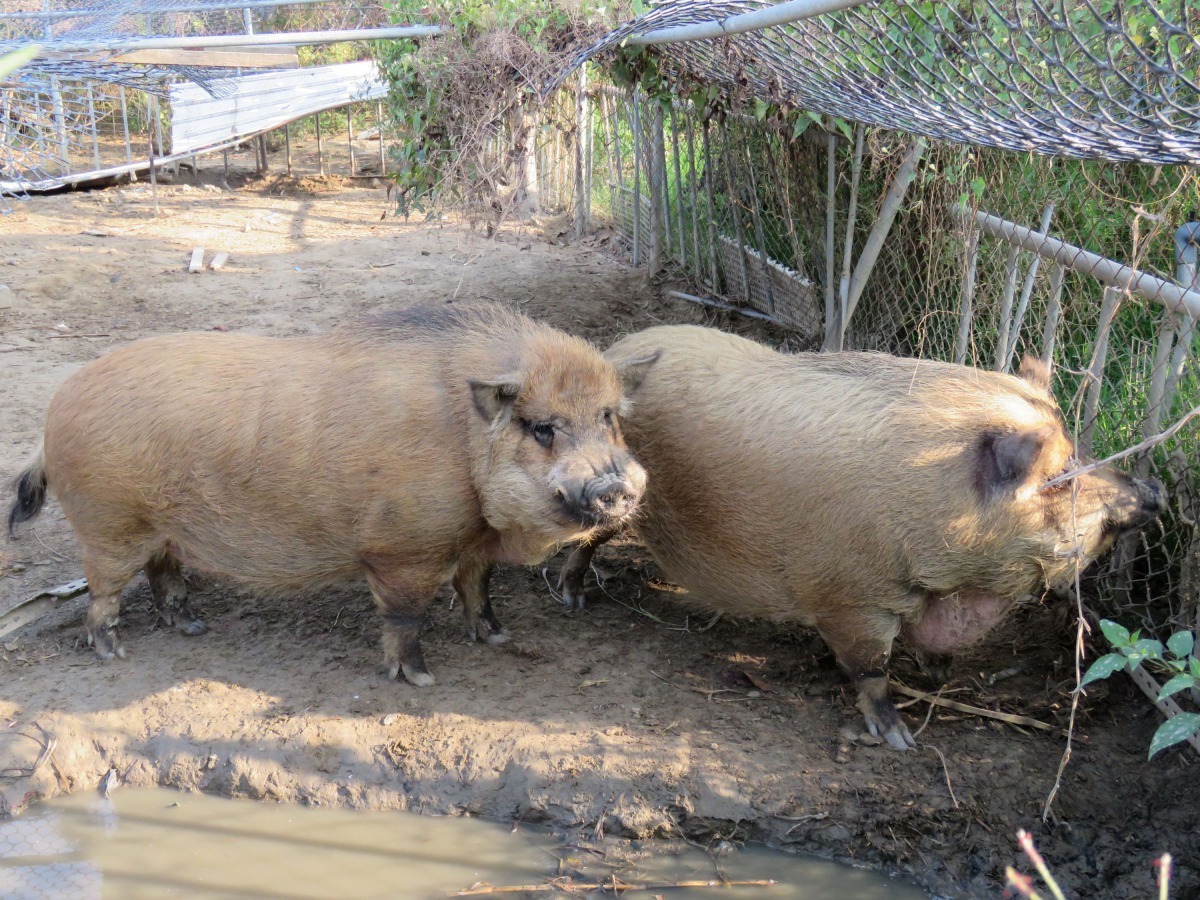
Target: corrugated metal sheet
<point>264,101</point>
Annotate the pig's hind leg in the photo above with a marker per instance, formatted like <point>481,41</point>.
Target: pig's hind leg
<point>862,641</point>
<point>471,584</point>
<point>169,591</point>
<point>107,574</point>
<point>403,597</point>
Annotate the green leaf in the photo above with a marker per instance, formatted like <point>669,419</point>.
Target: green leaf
<point>977,186</point>
<point>760,109</point>
<point>10,62</point>
<point>844,128</point>
<point>1175,685</point>
<point>1118,635</point>
<point>1103,667</point>
<point>800,126</point>
<point>1194,666</point>
<point>1146,648</point>
<point>1174,730</point>
<point>1180,644</point>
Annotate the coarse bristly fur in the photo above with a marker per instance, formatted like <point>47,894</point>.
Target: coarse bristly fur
<point>401,448</point>
<point>859,493</point>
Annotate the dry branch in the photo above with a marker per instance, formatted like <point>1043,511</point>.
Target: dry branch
<point>1010,718</point>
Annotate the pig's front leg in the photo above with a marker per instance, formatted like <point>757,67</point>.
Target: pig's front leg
<point>574,572</point>
<point>861,638</point>
<point>402,596</point>
<point>471,585</point>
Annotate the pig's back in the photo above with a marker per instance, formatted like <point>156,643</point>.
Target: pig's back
<point>255,458</point>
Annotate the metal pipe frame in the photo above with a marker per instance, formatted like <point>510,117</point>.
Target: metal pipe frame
<point>780,14</point>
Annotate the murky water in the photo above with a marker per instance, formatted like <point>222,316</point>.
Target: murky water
<point>156,843</point>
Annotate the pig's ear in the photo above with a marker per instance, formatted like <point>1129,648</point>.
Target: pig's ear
<point>1035,372</point>
<point>495,398</point>
<point>1007,460</point>
<point>633,371</point>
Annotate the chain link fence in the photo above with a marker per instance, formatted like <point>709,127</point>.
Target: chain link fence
<point>815,229</point>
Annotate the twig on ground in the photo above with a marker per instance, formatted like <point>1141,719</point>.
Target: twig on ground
<point>1010,718</point>
<point>1025,839</point>
<point>708,692</point>
<point>945,771</point>
<point>615,885</point>
<point>929,712</point>
<point>1162,866</point>
<point>48,743</point>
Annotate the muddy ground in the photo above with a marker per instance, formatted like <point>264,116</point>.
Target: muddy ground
<point>632,718</point>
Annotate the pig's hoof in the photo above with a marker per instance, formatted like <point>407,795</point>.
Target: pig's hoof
<point>106,644</point>
<point>900,738</point>
<point>895,733</point>
<point>417,677</point>
<point>882,718</point>
<point>573,600</point>
<point>496,638</point>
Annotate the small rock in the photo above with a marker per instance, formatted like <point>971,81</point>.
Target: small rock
<point>869,740</point>
<point>211,762</point>
<point>714,747</point>
<point>17,568</point>
<point>754,694</point>
<point>835,834</point>
<point>110,782</point>
<point>6,295</point>
<point>390,718</point>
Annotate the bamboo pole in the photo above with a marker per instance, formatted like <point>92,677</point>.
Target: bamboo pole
<point>892,202</point>
<point>830,229</point>
<point>1053,312</point>
<point>694,194</point>
<point>1026,293</point>
<point>1091,408</point>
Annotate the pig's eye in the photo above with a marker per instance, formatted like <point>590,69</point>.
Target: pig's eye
<point>543,433</point>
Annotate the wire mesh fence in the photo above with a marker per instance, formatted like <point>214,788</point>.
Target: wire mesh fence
<point>74,112</point>
<point>788,226</point>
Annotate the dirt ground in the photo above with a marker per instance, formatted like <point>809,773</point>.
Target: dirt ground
<point>633,718</point>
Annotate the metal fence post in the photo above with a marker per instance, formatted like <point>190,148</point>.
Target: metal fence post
<point>581,113</point>
<point>968,296</point>
<point>635,125</point>
<point>660,213</point>
<point>682,257</point>
<point>710,204</point>
<point>693,194</point>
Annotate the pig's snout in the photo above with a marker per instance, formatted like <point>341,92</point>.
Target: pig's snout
<point>610,495</point>
<point>1147,502</point>
<point>1152,497</point>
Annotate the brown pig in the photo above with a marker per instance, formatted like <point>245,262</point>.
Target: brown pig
<point>405,448</point>
<point>861,494</point>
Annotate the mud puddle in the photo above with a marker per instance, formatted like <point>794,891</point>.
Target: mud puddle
<point>159,842</point>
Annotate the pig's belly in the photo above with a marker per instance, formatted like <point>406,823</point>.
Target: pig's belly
<point>956,621</point>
